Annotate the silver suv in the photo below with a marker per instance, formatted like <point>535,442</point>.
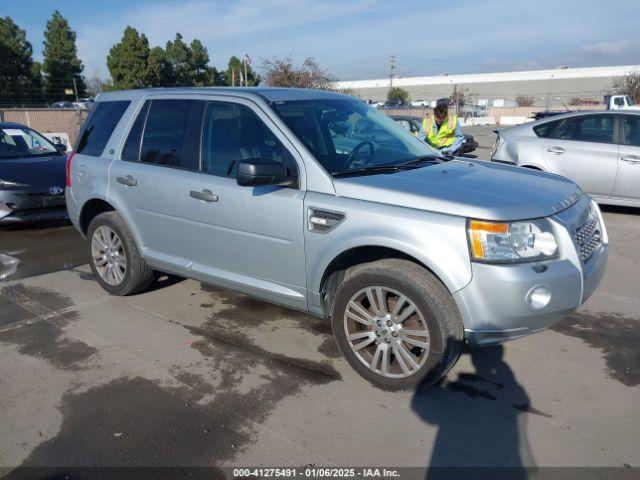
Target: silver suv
<point>315,201</point>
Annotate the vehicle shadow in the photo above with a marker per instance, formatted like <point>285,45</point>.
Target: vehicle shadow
<point>40,225</point>
<point>620,209</point>
<point>160,280</point>
<point>481,420</point>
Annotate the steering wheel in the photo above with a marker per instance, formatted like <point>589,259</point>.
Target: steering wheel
<point>352,162</point>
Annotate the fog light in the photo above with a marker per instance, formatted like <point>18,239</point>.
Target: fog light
<point>538,297</point>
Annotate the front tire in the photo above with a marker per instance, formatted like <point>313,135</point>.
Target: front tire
<point>396,324</point>
<point>114,256</point>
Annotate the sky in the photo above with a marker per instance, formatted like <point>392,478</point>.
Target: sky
<point>353,39</point>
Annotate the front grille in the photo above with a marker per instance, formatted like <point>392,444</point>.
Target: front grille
<point>35,211</point>
<point>588,238</point>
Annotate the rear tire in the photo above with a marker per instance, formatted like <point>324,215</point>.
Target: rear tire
<point>114,256</point>
<point>415,321</point>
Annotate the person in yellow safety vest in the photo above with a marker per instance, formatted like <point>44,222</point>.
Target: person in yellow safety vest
<point>441,131</point>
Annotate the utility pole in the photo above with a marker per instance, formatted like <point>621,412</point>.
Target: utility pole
<point>244,62</point>
<point>392,67</point>
<point>75,88</point>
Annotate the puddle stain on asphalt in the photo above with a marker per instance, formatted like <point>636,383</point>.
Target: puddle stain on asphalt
<point>165,425</point>
<point>308,370</point>
<point>462,385</point>
<point>249,311</point>
<point>529,409</point>
<point>45,338</point>
<point>44,248</point>
<point>135,422</point>
<point>618,338</point>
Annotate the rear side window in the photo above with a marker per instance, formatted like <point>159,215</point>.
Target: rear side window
<point>172,133</point>
<point>544,130</point>
<point>131,151</point>
<point>631,130</point>
<point>99,126</point>
<point>589,128</point>
<point>232,133</point>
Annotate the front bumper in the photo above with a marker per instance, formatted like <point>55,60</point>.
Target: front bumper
<point>25,206</point>
<point>494,305</point>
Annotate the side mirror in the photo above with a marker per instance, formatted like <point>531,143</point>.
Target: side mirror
<point>61,147</point>
<point>261,171</point>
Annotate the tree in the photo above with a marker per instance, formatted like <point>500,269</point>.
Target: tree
<point>199,64</point>
<point>159,70</point>
<point>61,64</point>
<point>96,85</point>
<point>20,78</point>
<point>524,100</point>
<point>178,57</point>
<point>628,85</point>
<point>397,96</point>
<point>234,75</point>
<point>128,61</point>
<point>283,73</point>
<point>460,98</point>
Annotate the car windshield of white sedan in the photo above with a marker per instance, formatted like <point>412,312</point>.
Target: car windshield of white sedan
<point>23,142</point>
<point>347,135</point>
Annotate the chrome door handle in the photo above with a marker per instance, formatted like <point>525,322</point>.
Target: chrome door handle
<point>556,150</point>
<point>127,180</point>
<point>204,195</point>
<point>632,159</point>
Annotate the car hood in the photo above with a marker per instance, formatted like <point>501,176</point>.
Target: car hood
<point>38,172</point>
<point>480,190</point>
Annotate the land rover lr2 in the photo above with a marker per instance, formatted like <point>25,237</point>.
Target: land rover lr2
<point>315,201</point>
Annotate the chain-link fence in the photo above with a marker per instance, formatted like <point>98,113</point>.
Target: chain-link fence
<point>47,120</point>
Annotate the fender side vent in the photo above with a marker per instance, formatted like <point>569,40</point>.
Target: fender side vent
<point>322,221</point>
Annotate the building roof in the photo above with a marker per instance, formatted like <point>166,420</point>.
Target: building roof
<point>445,79</point>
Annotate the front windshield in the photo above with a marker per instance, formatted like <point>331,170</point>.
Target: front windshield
<point>347,134</point>
<point>23,142</point>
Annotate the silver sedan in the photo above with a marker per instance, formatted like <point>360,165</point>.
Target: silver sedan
<point>599,150</point>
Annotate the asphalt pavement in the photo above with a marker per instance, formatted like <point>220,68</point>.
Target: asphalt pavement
<point>186,374</point>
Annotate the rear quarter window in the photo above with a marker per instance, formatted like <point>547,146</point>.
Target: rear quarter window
<point>99,126</point>
<point>544,129</point>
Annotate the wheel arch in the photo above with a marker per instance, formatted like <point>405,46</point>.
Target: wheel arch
<point>91,209</point>
<point>335,270</point>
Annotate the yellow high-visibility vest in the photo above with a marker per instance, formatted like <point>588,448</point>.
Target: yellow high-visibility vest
<point>443,136</point>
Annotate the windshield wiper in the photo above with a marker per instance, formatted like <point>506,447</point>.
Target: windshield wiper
<point>426,159</point>
<point>413,163</point>
<point>372,169</point>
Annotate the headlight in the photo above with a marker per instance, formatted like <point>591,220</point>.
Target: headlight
<point>512,242</point>
<point>8,183</point>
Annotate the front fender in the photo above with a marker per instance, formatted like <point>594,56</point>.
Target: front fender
<point>436,240</point>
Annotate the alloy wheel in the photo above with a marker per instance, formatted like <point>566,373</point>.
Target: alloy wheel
<point>108,256</point>
<point>386,331</point>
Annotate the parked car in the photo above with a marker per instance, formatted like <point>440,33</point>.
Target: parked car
<point>82,105</point>
<point>63,105</point>
<point>407,256</point>
<point>32,176</point>
<point>412,124</point>
<point>600,151</point>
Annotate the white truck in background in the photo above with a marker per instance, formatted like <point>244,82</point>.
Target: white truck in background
<point>620,102</point>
